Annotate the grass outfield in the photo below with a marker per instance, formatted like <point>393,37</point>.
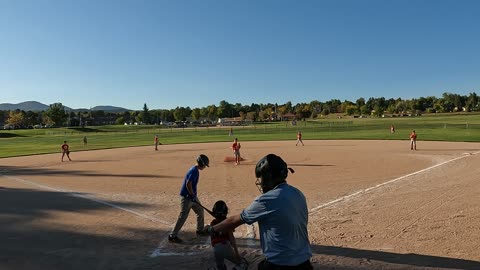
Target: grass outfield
<point>455,127</point>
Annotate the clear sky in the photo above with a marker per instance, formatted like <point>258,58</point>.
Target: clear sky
<point>170,53</point>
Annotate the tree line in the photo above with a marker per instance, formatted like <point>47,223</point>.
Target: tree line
<point>56,115</point>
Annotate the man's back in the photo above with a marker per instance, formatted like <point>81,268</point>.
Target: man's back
<point>282,215</point>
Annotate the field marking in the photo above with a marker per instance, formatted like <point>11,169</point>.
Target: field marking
<point>159,250</point>
<point>155,253</point>
<point>162,251</point>
<point>90,198</point>
<point>362,191</point>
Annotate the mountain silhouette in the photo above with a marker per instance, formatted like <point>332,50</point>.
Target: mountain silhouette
<point>37,106</point>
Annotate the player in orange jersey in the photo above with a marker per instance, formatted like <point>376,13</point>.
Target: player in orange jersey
<point>413,140</point>
<point>299,138</point>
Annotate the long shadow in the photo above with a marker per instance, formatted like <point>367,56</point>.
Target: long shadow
<point>10,135</point>
<point>38,203</point>
<point>413,260</point>
<point>89,130</point>
<point>20,170</point>
<point>34,237</point>
<point>384,260</point>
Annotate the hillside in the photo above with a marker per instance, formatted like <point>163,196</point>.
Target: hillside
<point>37,106</point>
<point>25,106</point>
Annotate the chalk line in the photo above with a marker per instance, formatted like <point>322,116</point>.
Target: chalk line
<point>362,191</point>
<point>90,198</point>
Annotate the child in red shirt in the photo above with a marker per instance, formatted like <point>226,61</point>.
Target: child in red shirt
<point>224,245</point>
<point>236,151</point>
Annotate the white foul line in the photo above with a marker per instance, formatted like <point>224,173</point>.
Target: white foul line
<point>90,198</point>
<point>355,194</point>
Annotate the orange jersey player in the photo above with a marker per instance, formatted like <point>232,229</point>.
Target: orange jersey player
<point>413,140</point>
<point>299,138</point>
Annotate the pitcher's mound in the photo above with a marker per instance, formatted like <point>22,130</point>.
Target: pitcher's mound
<point>231,159</point>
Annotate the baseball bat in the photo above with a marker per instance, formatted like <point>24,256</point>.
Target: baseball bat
<point>206,209</point>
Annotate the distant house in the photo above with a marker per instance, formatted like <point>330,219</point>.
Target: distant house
<point>289,117</point>
<point>235,121</point>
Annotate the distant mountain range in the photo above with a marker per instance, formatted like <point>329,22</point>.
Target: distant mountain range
<point>37,106</point>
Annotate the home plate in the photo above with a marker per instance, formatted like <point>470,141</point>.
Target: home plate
<point>190,245</point>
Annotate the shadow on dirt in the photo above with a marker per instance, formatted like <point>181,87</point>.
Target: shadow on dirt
<point>34,237</point>
<point>20,170</point>
<point>388,260</point>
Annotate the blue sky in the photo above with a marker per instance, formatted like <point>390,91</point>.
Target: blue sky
<point>196,53</point>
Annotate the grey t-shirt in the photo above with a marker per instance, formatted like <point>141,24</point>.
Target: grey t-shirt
<point>282,216</point>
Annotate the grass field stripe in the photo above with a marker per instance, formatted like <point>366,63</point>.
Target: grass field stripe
<point>90,198</point>
<point>346,197</point>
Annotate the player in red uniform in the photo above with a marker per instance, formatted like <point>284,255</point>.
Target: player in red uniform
<point>236,151</point>
<point>65,150</point>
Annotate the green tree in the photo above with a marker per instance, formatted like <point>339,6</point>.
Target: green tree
<point>315,108</point>
<point>350,109</point>
<point>196,114</point>
<point>211,112</point>
<point>360,102</point>
<point>120,120</point>
<point>32,118</point>
<point>56,114</point>
<point>225,109</point>
<point>472,102</point>
<point>144,115</point>
<point>448,102</point>
<point>181,113</point>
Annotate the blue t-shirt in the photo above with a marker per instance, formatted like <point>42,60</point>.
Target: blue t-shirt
<point>282,217</point>
<point>191,176</point>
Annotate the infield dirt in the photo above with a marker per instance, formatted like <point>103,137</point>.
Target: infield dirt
<point>113,209</point>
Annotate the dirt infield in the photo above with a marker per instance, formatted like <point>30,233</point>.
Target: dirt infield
<point>373,205</point>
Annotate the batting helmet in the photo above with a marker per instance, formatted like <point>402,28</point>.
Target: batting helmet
<point>270,171</point>
<point>220,209</point>
<point>203,160</point>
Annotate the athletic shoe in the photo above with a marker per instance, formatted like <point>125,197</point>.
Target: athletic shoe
<point>174,239</point>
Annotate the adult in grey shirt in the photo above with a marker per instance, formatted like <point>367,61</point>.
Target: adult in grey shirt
<point>282,215</point>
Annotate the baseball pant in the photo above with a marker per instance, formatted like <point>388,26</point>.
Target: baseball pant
<point>224,251</point>
<point>185,206</point>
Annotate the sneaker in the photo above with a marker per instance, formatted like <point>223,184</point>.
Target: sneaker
<point>202,233</point>
<point>174,239</point>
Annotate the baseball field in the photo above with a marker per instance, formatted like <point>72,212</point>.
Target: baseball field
<point>374,204</point>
